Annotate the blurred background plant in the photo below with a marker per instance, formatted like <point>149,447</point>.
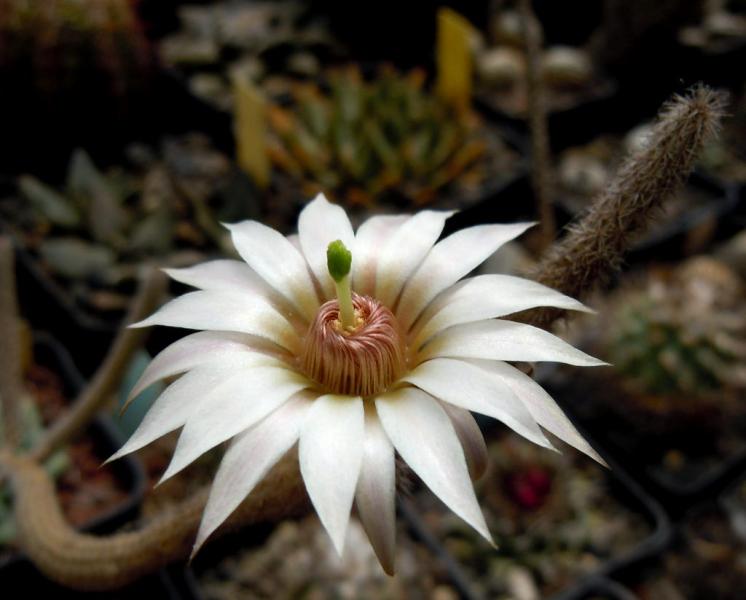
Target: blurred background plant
<point>681,331</point>
<point>271,43</point>
<point>95,232</point>
<point>367,142</point>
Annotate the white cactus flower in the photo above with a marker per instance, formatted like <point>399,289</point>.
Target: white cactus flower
<point>354,363</point>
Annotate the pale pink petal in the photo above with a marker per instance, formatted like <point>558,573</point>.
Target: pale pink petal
<point>403,252</point>
<point>226,311</point>
<point>319,224</point>
<point>231,407</point>
<point>465,385</point>
<point>370,237</point>
<point>423,435</point>
<point>249,458</point>
<point>172,408</point>
<point>330,453</point>
<point>450,260</point>
<point>504,340</point>
<point>487,297</point>
<point>201,348</point>
<point>278,262</point>
<point>541,405</point>
<point>471,438</point>
<point>376,491</point>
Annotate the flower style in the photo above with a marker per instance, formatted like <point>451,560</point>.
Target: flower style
<point>355,355</point>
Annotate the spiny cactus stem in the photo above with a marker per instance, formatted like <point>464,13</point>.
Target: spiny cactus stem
<point>594,247</point>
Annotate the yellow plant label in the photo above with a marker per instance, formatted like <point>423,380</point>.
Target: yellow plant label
<point>453,59</point>
<point>250,130</point>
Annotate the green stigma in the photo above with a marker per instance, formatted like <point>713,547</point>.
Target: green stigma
<point>339,262</point>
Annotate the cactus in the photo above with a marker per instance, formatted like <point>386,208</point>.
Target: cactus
<point>68,43</point>
<point>363,140</point>
<point>681,331</point>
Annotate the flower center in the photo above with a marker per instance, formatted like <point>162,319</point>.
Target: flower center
<point>362,360</point>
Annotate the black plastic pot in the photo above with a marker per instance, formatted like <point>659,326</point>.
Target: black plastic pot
<point>17,572</point>
<point>623,487</point>
<point>677,493</point>
<point>605,589</point>
<point>712,508</point>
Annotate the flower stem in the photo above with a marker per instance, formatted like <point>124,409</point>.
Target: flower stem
<point>339,263</point>
<point>346,310</point>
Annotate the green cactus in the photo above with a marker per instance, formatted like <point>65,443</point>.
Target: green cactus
<point>362,140</point>
<point>680,331</point>
<point>63,44</point>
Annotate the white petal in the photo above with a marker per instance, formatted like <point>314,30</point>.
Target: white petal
<point>319,224</point>
<point>172,408</point>
<point>247,461</point>
<point>465,385</point>
<point>541,405</point>
<point>221,275</point>
<point>424,436</point>
<point>471,438</point>
<point>231,407</point>
<point>376,491</point>
<point>450,260</point>
<point>226,311</point>
<point>278,262</point>
<point>488,297</point>
<point>404,251</point>
<point>370,237</point>
<point>201,348</point>
<point>505,340</point>
<point>330,453</point>
<point>295,241</point>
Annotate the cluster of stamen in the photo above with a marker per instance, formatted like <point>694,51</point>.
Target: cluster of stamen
<point>362,360</point>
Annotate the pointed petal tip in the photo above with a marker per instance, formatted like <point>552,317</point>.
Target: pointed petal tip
<point>128,402</point>
<point>140,324</point>
<point>198,543</point>
<point>388,567</point>
<point>320,197</point>
<point>338,539</point>
<point>168,474</point>
<point>116,456</point>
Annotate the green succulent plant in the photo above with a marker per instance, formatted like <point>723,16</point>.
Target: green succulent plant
<point>681,330</point>
<point>362,140</point>
<point>93,232</point>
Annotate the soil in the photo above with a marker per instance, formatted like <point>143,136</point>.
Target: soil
<point>298,561</point>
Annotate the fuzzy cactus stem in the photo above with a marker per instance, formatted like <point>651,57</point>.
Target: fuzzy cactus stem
<point>594,247</point>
